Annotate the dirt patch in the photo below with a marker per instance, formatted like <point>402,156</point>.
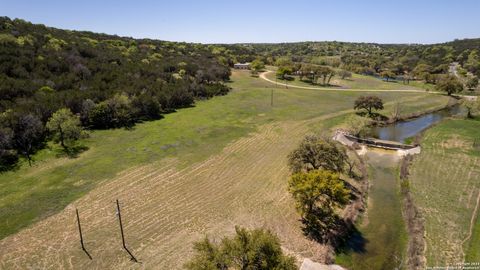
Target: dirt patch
<point>455,141</point>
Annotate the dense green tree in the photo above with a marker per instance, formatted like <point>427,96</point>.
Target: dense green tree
<point>284,62</point>
<point>317,152</point>
<point>472,106</point>
<point>472,82</point>
<point>147,105</point>
<point>256,249</point>
<point>326,73</point>
<point>257,65</point>
<point>368,103</point>
<point>344,74</point>
<point>208,256</point>
<point>473,62</point>
<point>421,71</point>
<point>283,71</point>
<point>462,72</point>
<point>112,113</point>
<point>358,126</point>
<point>28,135</point>
<point>407,77</point>
<point>8,156</point>
<point>431,78</point>
<point>309,71</point>
<point>65,127</point>
<point>387,75</point>
<point>321,189</point>
<point>449,84</point>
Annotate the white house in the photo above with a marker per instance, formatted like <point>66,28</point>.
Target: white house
<point>241,66</point>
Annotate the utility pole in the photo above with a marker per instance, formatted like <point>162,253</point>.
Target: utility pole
<point>81,236</point>
<point>121,231</point>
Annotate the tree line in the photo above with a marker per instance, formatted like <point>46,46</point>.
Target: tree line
<point>106,81</point>
<point>406,62</point>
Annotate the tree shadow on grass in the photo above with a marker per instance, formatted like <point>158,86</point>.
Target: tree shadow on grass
<point>328,228</point>
<point>72,151</point>
<point>354,241</point>
<point>374,115</point>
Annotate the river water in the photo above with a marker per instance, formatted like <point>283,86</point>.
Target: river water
<point>400,131</point>
<point>381,238</point>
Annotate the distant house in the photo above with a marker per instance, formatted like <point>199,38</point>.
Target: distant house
<point>241,66</point>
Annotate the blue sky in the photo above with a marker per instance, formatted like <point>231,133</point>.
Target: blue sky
<point>230,21</point>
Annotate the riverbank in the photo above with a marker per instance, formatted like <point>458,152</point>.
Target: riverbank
<point>414,221</point>
<point>403,130</point>
<point>452,102</point>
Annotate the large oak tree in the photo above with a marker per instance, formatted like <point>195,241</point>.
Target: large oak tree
<point>368,103</point>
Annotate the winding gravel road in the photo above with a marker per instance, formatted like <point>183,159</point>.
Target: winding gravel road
<point>264,77</point>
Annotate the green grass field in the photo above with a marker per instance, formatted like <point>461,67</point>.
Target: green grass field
<point>445,181</point>
<point>186,139</point>
<point>356,82</point>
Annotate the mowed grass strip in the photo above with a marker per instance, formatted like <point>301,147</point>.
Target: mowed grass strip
<point>29,194</point>
<point>445,181</point>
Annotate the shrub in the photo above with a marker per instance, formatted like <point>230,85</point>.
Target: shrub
<point>256,249</point>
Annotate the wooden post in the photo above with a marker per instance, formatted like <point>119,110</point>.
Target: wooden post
<point>121,231</point>
<point>81,236</point>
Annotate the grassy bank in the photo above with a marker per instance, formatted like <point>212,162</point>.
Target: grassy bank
<point>447,191</point>
<point>29,194</point>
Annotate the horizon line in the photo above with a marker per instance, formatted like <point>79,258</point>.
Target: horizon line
<point>243,43</point>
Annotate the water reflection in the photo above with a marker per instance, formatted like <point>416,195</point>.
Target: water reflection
<point>400,131</point>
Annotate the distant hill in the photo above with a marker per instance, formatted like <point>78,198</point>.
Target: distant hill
<point>109,81</point>
<point>366,58</point>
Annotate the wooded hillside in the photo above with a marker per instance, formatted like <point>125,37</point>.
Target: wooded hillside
<point>108,81</point>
